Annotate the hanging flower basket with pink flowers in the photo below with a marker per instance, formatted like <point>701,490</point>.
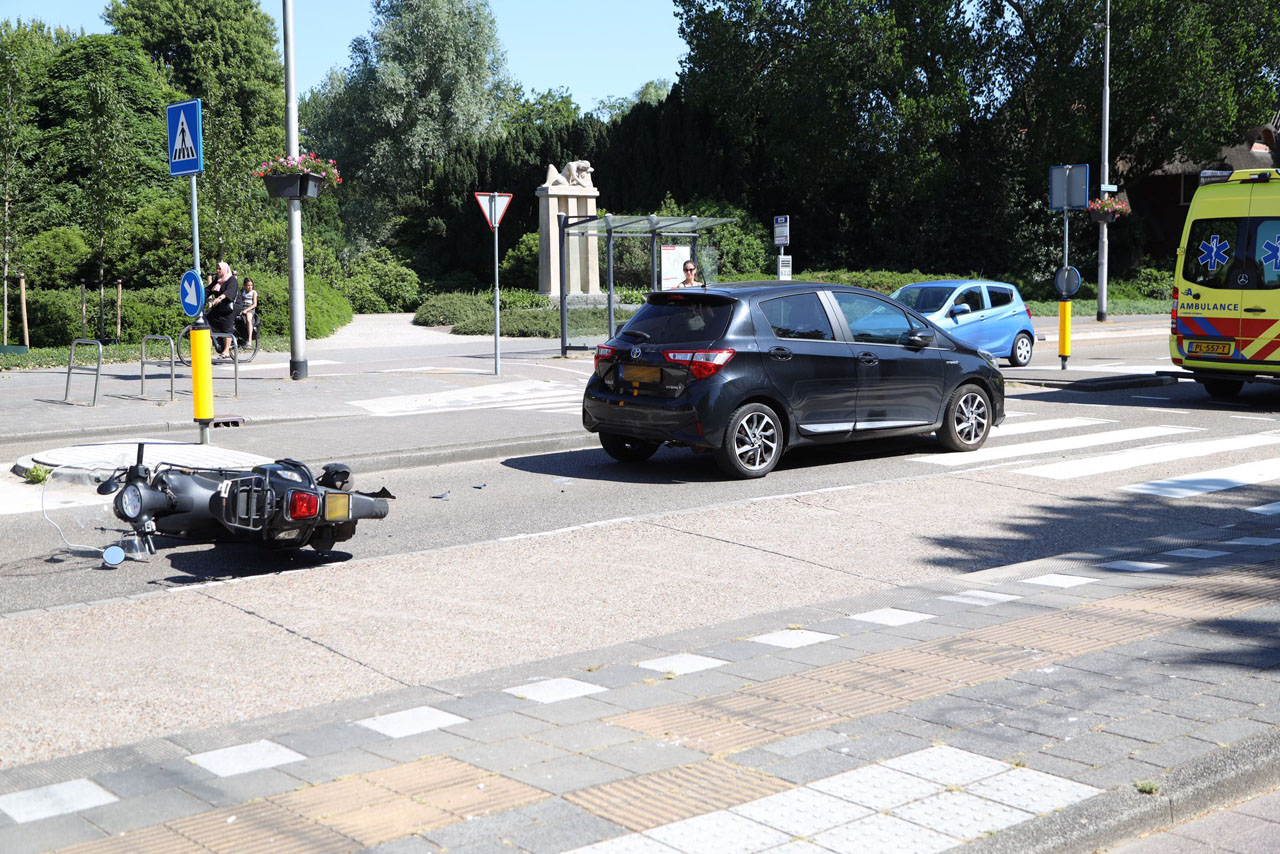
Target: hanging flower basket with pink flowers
<point>298,177</point>
<point>1107,209</point>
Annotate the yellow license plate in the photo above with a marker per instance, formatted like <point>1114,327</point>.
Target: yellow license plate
<point>1212,348</point>
<point>641,373</point>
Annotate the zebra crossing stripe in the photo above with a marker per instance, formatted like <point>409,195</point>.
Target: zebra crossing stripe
<point>1149,455</point>
<point>500,396</point>
<point>1045,426</point>
<point>1202,483</point>
<point>1052,446</point>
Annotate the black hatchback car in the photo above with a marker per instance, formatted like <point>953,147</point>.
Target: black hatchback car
<point>748,371</point>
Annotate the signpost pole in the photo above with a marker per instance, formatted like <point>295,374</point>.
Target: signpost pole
<point>1064,304</point>
<point>497,312</point>
<point>1106,167</point>
<point>201,347</point>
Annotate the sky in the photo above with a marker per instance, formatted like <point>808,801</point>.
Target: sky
<point>596,50</point>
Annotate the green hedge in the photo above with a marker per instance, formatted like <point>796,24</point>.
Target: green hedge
<point>54,317</point>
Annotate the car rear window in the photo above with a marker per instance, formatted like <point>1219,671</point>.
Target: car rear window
<point>999,296</point>
<point>798,316</point>
<point>1212,249</point>
<point>925,300</point>
<point>680,318</point>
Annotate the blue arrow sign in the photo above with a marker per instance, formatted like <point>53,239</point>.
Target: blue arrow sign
<point>191,293</point>
<point>186,138</point>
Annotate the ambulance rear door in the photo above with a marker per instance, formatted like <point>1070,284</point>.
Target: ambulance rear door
<point>1260,299</point>
<point>1210,288</point>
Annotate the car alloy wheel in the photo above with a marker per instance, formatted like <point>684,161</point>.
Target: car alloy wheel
<point>753,442</point>
<point>968,419</point>
<point>1022,347</point>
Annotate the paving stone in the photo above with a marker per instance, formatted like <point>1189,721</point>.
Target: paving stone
<point>413,747</point>
<point>1011,695</point>
<point>614,676</point>
<point>801,812</point>
<point>872,641</point>
<point>735,650</point>
<point>708,682</point>
<point>1110,702</point>
<point>145,810</point>
<point>883,834</point>
<point>764,667</point>
<point>501,727</point>
<point>328,739</point>
<point>54,799</point>
<point>952,711</point>
<point>642,697</point>
<point>1066,768</point>
<point>1220,828</point>
<point>1108,664</point>
<point>243,758</point>
<point>821,654</point>
<point>1096,748</point>
<point>1205,708</point>
<point>996,740</point>
<point>814,765</point>
<point>923,631</point>
<point>880,746</point>
<point>1163,686</point>
<point>642,757</point>
<point>486,846</point>
<point>1219,668</point>
<point>1050,719</point>
<point>949,766</point>
<point>323,769</point>
<point>756,758</point>
<point>1264,806</point>
<point>1030,790</point>
<point>47,834</point>
<point>797,744</point>
<point>564,835</point>
<point>972,620</point>
<point>586,737</point>
<point>1266,714</point>
<point>574,711</point>
<point>1062,679</point>
<point>408,845</point>
<point>1124,772</point>
<point>150,778</point>
<point>505,755</point>
<point>1153,727</point>
<point>1249,690</point>
<point>1175,752</point>
<point>903,722</point>
<point>960,814</point>
<point>567,774</point>
<point>243,787</point>
<point>482,705</point>
<point>1230,731</point>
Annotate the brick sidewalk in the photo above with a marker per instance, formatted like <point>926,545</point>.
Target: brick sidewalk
<point>954,714</point>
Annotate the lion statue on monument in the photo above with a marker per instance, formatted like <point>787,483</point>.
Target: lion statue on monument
<point>577,173</point>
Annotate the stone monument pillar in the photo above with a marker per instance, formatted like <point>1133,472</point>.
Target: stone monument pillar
<point>569,192</point>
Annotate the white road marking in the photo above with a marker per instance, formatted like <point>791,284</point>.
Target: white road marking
<point>1148,455</point>
<point>507,395</point>
<point>1009,414</point>
<point>1266,509</point>
<point>1150,397</point>
<point>1046,425</point>
<point>1253,417</point>
<point>262,366</point>
<point>1051,446</point>
<point>432,369</point>
<point>1202,483</point>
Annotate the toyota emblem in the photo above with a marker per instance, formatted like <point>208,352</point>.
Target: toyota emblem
<point>635,352</point>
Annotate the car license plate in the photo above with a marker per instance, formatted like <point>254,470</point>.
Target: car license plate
<point>641,373</point>
<point>1211,348</point>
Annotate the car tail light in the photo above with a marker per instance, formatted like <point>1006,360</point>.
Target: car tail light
<point>302,504</point>
<point>1173,317</point>
<point>1028,312</point>
<point>604,352</point>
<point>701,363</point>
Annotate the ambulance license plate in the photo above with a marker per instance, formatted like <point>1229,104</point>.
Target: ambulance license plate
<point>641,373</point>
<point>1211,348</point>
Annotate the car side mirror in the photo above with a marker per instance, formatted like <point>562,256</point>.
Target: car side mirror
<point>918,338</point>
<point>959,309</point>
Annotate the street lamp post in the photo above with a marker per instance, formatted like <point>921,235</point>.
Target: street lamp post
<point>1106,163</point>
<point>297,289</point>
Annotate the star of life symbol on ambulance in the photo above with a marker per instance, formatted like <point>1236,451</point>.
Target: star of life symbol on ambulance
<point>1271,254</point>
<point>1213,253</point>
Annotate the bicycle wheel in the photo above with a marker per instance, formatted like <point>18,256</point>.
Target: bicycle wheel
<point>183,346</point>
<point>246,339</point>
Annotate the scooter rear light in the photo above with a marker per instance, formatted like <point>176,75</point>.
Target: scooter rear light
<point>301,504</point>
<point>701,363</point>
<point>337,507</point>
<point>604,352</point>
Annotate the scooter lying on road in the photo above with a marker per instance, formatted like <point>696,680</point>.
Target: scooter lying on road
<point>279,505</point>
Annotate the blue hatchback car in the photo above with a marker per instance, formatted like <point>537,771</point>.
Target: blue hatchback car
<point>988,315</point>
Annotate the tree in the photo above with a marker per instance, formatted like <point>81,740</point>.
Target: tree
<point>612,107</point>
<point>553,107</point>
<point>25,51</point>
<point>223,52</point>
<point>425,81</point>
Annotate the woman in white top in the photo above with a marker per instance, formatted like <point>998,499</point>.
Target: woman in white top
<point>690,276</point>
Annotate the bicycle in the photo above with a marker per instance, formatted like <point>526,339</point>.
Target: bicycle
<point>246,342</point>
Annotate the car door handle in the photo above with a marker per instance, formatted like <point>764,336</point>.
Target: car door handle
<point>868,358</point>
<point>1255,310</point>
<point>782,354</point>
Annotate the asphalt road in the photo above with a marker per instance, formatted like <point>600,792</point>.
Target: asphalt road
<point>906,509</point>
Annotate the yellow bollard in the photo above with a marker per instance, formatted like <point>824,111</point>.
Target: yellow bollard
<point>202,378</point>
<point>1064,331</point>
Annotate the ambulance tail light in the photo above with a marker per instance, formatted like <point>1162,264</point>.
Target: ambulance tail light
<point>1173,315</point>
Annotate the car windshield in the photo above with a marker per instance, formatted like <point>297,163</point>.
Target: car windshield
<point>680,319</point>
<point>923,298</point>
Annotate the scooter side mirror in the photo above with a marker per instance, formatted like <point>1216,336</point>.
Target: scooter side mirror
<point>109,486</point>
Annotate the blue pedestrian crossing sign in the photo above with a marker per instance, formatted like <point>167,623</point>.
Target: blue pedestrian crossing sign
<point>186,138</point>
<point>191,293</point>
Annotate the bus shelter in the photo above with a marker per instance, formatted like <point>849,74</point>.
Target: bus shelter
<point>611,226</point>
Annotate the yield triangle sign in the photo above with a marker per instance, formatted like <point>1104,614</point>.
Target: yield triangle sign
<point>493,206</point>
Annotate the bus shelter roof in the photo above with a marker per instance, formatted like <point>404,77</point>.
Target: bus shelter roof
<point>646,225</point>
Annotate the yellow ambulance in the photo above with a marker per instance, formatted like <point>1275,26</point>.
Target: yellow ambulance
<point>1225,326</point>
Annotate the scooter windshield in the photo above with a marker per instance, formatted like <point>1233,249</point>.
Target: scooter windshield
<point>79,502</point>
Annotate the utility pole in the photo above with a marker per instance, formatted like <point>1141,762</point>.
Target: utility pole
<point>1106,163</point>
<point>297,291</point>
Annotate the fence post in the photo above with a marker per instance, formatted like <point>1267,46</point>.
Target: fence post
<point>84,312</point>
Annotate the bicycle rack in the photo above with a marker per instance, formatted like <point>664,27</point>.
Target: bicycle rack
<point>142,368</point>
<point>72,366</point>
<point>235,358</point>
